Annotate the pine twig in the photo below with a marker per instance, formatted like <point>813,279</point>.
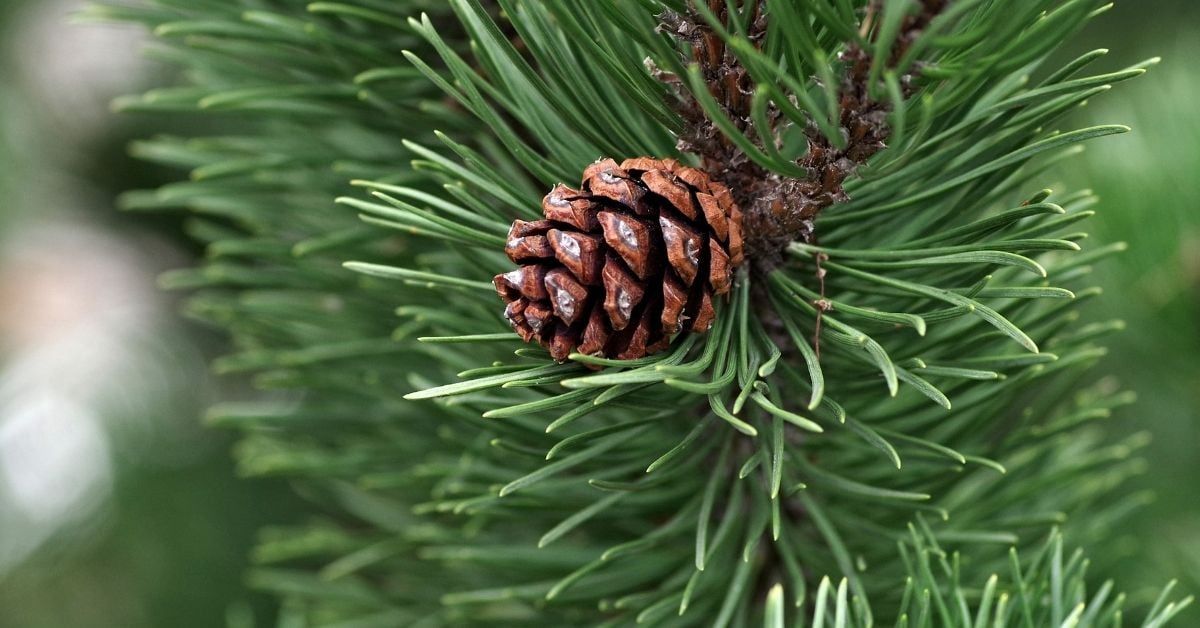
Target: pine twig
<point>781,209</point>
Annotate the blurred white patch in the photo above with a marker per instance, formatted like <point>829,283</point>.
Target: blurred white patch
<point>53,454</point>
<point>54,468</point>
<point>73,309</point>
<point>73,70</point>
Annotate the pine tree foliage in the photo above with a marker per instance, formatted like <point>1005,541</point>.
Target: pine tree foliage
<point>892,424</point>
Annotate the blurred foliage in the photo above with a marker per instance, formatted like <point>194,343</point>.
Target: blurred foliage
<point>1150,198</point>
<point>170,552</point>
<point>171,546</point>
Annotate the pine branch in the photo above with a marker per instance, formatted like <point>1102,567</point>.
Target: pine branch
<point>949,419</point>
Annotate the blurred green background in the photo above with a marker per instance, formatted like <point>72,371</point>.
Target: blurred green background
<point>1149,186</point>
<point>117,508</point>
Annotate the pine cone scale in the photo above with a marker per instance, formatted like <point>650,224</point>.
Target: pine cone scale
<point>678,196</point>
<point>564,204</point>
<point>721,272</point>
<point>675,298</point>
<point>631,239</point>
<point>704,316</point>
<point>578,252</point>
<point>716,217</point>
<point>590,270</point>
<point>684,247</point>
<point>568,297</point>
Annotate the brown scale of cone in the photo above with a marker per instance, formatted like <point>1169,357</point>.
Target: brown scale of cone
<point>620,266</point>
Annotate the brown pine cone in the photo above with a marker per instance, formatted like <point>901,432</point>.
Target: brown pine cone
<point>623,265</point>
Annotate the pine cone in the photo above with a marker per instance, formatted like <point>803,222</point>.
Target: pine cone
<point>620,267</point>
